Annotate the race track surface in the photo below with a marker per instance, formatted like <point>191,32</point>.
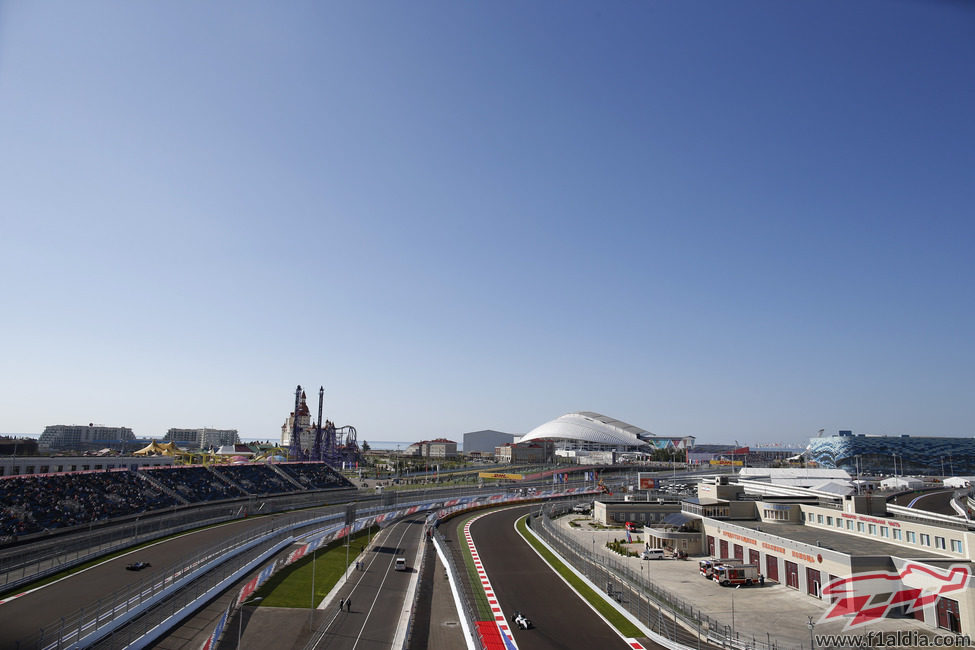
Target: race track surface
<point>523,581</point>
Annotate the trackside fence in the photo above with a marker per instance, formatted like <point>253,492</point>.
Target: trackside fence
<point>460,582</point>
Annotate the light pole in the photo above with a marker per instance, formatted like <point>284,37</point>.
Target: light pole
<point>737,587</point>
<point>811,626</point>
<point>240,621</point>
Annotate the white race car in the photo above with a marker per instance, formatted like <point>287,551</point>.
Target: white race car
<point>521,620</point>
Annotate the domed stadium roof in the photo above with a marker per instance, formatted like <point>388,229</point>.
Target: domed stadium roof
<point>590,427</point>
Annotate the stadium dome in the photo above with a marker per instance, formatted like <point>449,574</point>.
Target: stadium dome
<point>587,430</point>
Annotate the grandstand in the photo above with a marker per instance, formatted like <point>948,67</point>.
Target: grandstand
<point>40,504</point>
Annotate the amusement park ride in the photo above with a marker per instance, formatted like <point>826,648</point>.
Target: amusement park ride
<point>333,445</point>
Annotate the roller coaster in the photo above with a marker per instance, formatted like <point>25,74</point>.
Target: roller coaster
<point>333,445</point>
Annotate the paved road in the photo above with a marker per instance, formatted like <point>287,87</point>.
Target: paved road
<point>937,501</point>
<point>523,581</point>
<point>377,593</point>
<point>23,617</point>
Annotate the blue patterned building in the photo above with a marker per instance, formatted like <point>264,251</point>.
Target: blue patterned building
<point>879,454</point>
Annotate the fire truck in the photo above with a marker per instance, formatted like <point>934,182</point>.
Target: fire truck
<point>728,576</point>
<point>707,566</point>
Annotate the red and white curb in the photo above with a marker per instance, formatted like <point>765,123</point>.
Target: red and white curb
<point>499,618</point>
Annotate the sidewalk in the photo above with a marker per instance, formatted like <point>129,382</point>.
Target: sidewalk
<point>760,612</point>
<point>445,627</point>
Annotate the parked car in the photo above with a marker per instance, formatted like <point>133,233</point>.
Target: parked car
<point>652,554</point>
<point>581,507</point>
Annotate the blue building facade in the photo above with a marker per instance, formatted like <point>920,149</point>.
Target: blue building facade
<point>880,454</point>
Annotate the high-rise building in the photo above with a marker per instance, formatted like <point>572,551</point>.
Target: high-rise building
<point>204,438</point>
<point>81,437</point>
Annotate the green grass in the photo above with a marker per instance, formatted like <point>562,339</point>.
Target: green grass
<point>291,587</point>
<point>480,598</point>
<point>616,619</point>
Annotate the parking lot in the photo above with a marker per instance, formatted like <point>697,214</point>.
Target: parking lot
<point>771,610</point>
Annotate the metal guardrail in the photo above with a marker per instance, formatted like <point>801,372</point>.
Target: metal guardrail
<point>22,565</point>
<point>411,623</point>
<point>80,629</point>
<point>179,593</point>
<point>147,605</point>
<point>659,609</point>
<point>460,581</point>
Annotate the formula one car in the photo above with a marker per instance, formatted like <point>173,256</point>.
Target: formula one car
<point>137,566</point>
<point>521,620</point>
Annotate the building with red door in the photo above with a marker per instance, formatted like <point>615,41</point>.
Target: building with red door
<point>917,564</point>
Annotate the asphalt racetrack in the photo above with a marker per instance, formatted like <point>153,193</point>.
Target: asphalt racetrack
<point>523,581</point>
<point>23,617</point>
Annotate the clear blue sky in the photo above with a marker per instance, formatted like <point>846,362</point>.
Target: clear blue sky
<point>732,220</point>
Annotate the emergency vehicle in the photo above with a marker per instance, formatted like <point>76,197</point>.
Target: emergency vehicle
<point>729,576</point>
<point>707,566</point>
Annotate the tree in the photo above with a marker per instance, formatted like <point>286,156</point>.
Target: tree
<point>365,446</point>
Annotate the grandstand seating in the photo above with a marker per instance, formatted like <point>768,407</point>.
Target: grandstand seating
<point>33,504</point>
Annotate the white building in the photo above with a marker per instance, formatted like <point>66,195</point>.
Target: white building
<point>204,438</point>
<point>82,437</point>
<point>902,483</point>
<point>575,434</point>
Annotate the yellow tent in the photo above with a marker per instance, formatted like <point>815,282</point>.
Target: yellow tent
<point>152,448</point>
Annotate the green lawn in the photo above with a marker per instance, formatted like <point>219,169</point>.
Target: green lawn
<point>484,612</point>
<point>616,619</point>
<point>291,587</point>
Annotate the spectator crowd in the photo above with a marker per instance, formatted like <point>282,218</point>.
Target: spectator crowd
<point>39,503</point>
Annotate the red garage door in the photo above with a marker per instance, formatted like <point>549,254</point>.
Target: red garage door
<point>754,558</point>
<point>711,545</point>
<point>739,552</point>
<point>772,567</point>
<point>948,618</point>
<point>791,574</point>
<point>724,548</point>
<point>813,582</point>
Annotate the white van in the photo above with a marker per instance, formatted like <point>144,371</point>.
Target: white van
<point>400,564</point>
<point>653,554</point>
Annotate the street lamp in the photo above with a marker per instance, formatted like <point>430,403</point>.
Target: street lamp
<point>737,587</point>
<point>240,621</point>
<point>811,626</point>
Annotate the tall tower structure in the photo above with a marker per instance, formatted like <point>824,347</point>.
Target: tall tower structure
<point>300,421</point>
<point>316,453</point>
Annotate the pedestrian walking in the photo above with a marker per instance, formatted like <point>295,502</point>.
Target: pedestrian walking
<point>341,604</point>
<point>348,604</point>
